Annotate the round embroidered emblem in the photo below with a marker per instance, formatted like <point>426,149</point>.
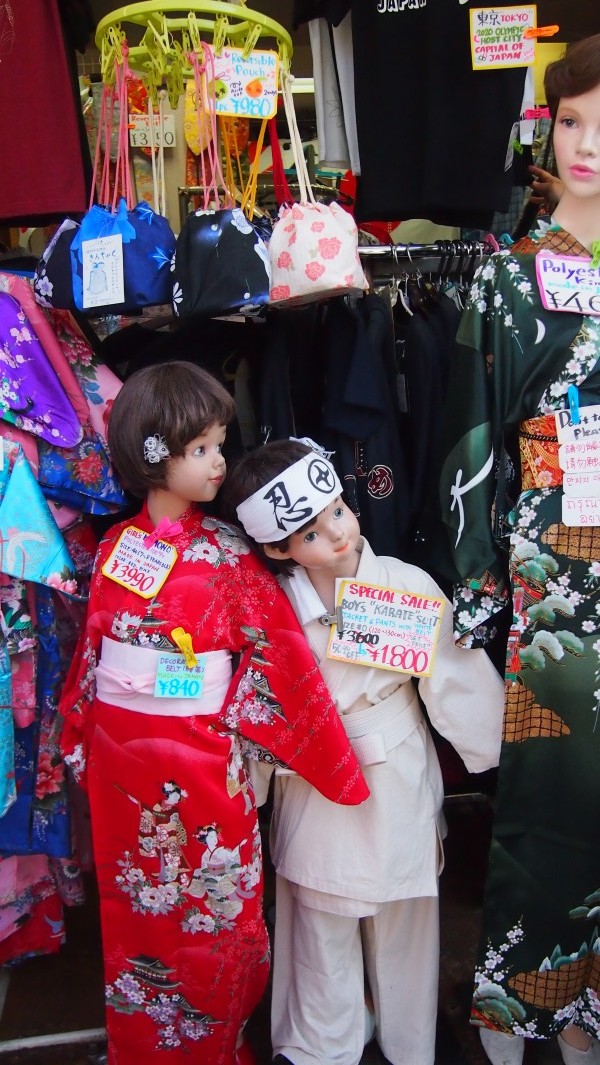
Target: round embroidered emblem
<point>381,482</point>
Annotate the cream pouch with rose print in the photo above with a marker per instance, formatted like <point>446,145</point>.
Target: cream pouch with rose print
<point>313,248</point>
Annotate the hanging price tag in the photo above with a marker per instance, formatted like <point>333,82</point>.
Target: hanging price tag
<point>246,85</point>
<point>102,265</point>
<point>142,569</point>
<point>568,283</point>
<point>386,628</point>
<point>174,680</point>
<point>140,135</point>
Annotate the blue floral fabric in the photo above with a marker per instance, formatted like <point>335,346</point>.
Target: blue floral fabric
<point>31,545</point>
<point>80,477</point>
<point>38,822</point>
<point>7,747</point>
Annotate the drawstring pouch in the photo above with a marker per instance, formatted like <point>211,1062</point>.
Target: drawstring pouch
<point>221,263</point>
<point>313,249</point>
<point>132,270</point>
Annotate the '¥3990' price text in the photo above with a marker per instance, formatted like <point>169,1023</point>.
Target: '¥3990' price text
<point>132,577</point>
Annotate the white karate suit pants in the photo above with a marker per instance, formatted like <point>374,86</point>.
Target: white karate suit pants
<point>317,1012</point>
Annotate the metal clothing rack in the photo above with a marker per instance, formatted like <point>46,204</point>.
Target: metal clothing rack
<point>446,258</point>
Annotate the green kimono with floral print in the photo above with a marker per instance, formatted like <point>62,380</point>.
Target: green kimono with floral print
<point>538,967</point>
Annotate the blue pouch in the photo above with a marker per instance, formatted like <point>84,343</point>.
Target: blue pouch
<point>148,246</point>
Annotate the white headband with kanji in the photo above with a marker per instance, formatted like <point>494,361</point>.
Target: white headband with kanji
<point>291,499</point>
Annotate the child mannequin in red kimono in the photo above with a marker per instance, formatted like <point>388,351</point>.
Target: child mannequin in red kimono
<point>156,721</point>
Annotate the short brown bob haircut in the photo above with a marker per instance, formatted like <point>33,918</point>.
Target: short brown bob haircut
<point>250,473</point>
<point>176,400</point>
<point>576,72</point>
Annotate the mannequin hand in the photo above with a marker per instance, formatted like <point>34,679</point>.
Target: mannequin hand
<point>547,189</point>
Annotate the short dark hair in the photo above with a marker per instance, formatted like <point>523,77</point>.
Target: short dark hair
<point>576,72</point>
<point>250,473</point>
<point>176,400</point>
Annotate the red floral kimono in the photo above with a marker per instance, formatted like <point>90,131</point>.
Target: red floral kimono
<point>176,838</point>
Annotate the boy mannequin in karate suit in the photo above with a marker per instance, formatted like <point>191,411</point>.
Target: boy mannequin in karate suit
<point>357,889</point>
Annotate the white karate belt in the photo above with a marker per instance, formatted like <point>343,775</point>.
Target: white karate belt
<point>375,731</point>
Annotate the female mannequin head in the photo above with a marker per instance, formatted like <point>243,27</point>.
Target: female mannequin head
<point>573,93</point>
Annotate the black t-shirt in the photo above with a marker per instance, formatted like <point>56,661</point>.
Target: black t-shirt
<point>433,133</point>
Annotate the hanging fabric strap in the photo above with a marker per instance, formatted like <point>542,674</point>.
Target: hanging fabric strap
<point>306,192</point>
<point>212,175</point>
<point>249,197</point>
<point>100,187</point>
<point>122,171</point>
<point>280,183</point>
<point>157,154</point>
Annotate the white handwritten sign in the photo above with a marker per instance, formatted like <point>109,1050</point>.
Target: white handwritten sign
<point>386,628</point>
<point>142,136</point>
<point>568,283</point>
<point>581,484</point>
<point>581,510</point>
<point>588,425</point>
<point>141,569</point>
<point>498,36</point>
<point>579,459</point>
<point>245,85</point>
<point>102,267</point>
<point>581,456</point>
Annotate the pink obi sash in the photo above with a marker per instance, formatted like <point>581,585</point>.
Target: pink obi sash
<point>126,675</point>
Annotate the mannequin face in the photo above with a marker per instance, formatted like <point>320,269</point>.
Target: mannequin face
<point>577,143</point>
<point>329,543</point>
<point>197,475</point>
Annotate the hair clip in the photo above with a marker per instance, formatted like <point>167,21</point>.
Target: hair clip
<point>155,449</point>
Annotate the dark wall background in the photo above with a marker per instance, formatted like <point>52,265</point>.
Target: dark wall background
<point>576,18</point>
